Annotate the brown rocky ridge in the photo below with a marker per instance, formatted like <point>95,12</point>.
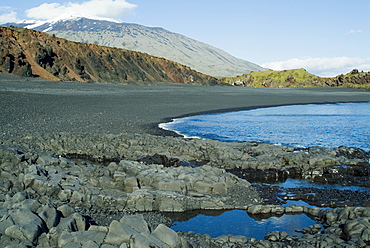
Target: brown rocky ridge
<point>31,53</point>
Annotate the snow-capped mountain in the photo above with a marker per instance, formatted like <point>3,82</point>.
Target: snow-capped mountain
<point>152,40</point>
<point>67,17</point>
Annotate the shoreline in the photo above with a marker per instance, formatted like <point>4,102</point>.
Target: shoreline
<point>37,106</point>
<point>155,126</point>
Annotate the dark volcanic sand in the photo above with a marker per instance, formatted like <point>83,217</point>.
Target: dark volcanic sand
<point>35,106</point>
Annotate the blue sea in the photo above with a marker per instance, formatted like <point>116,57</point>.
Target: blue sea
<point>327,125</point>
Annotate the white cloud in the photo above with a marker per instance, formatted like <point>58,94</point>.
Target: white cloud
<point>101,8</point>
<point>353,32</point>
<point>7,15</point>
<point>325,67</point>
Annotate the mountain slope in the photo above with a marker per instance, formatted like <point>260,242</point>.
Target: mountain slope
<point>154,41</point>
<point>35,54</point>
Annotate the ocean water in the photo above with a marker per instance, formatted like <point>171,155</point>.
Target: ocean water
<point>327,125</point>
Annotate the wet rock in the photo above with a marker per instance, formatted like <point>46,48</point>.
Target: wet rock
<point>267,175</point>
<point>351,152</point>
<point>320,180</point>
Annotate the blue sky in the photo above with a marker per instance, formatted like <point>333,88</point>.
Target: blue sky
<point>326,37</point>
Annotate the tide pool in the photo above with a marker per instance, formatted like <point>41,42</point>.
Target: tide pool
<point>238,222</point>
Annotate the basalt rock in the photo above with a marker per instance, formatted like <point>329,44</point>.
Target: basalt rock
<point>252,161</point>
<point>128,185</point>
<point>60,200</point>
<point>50,227</point>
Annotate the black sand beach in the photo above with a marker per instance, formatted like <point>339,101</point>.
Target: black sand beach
<point>42,107</point>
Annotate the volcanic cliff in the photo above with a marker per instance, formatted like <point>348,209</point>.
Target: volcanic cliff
<point>31,53</point>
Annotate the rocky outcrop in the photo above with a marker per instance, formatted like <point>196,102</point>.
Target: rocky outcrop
<point>123,186</point>
<point>26,222</point>
<point>51,201</point>
<point>259,161</point>
<point>30,53</point>
<point>51,197</point>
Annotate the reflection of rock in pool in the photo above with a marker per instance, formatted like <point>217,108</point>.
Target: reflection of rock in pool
<point>238,222</point>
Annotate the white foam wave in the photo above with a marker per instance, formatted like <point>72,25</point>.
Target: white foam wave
<point>168,126</point>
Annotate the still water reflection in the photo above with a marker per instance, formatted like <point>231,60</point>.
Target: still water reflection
<point>238,222</point>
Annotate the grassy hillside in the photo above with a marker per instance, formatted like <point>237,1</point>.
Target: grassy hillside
<point>299,78</point>
<point>356,79</point>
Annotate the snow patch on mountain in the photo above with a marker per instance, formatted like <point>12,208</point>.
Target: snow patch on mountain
<point>69,16</point>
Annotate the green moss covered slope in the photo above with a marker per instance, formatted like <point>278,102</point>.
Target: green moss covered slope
<point>299,78</point>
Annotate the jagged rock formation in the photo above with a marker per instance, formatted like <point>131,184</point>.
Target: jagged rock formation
<point>31,53</point>
<point>154,41</point>
<point>299,78</point>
